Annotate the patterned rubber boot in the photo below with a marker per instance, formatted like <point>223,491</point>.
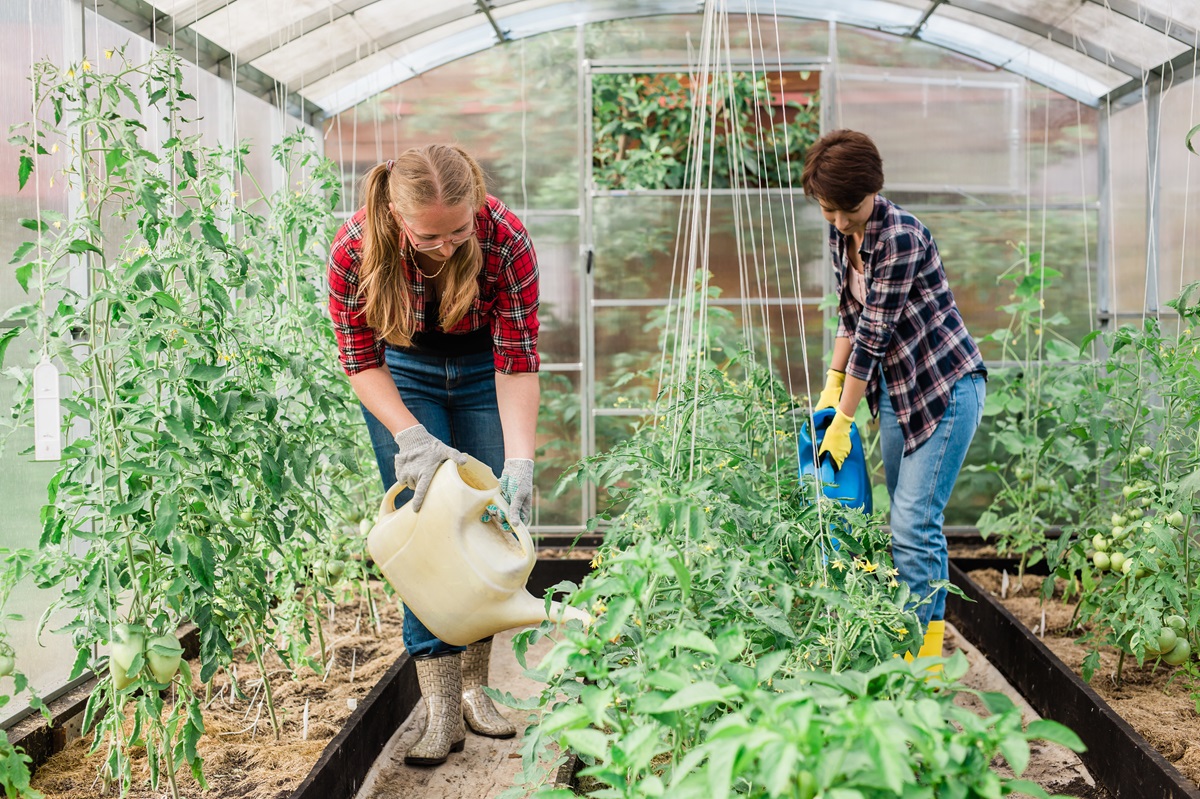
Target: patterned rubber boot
<point>480,713</point>
<point>440,677</point>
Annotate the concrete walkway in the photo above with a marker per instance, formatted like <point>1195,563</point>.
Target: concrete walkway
<point>484,769</point>
<point>487,767</point>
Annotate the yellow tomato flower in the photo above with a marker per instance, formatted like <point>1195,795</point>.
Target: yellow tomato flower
<point>866,566</point>
<point>838,564</point>
<point>108,54</point>
<point>86,66</point>
<point>901,631</point>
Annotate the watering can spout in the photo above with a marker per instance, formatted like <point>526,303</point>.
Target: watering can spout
<point>455,567</point>
<point>526,610</point>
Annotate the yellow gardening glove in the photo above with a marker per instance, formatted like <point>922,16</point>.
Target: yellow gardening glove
<point>837,438</point>
<point>832,393</point>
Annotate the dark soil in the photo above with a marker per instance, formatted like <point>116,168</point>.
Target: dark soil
<point>241,756</point>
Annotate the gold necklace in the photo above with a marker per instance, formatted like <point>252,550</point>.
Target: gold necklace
<point>417,264</point>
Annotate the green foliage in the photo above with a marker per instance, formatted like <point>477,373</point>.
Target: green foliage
<point>1144,435</point>
<point>1033,402</point>
<point>211,452</point>
<point>644,124</point>
<point>14,763</point>
<point>737,648</point>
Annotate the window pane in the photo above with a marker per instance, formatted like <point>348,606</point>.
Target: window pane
<point>755,133</point>
<point>629,353</point>
<point>977,247</point>
<point>764,237</point>
<point>524,133</point>
<point>556,241</point>
<point>559,449</point>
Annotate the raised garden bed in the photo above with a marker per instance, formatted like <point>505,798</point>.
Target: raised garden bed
<point>1118,756</point>
<point>349,721</point>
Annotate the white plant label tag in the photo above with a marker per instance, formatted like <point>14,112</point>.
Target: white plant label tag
<point>47,413</point>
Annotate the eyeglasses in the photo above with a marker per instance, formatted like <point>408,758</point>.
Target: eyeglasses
<point>430,246</point>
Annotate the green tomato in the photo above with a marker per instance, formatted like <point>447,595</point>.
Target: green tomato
<point>1128,491</point>
<point>1119,533</point>
<point>1117,520</point>
<point>364,526</point>
<point>126,646</point>
<point>1135,459</point>
<point>163,654</point>
<point>335,569</point>
<point>1044,486</point>
<point>6,665</point>
<point>1175,622</point>
<point>1166,640</point>
<point>247,515</point>
<point>1175,519</point>
<point>1146,502</point>
<point>1178,654</point>
<point>1117,560</point>
<point>1132,513</point>
<point>1101,561</point>
<point>1145,451</point>
<point>1099,543</point>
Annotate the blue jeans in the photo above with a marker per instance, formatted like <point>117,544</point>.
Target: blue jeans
<point>455,398</point>
<point>919,485</point>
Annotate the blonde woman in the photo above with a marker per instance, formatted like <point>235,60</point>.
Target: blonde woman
<point>433,290</point>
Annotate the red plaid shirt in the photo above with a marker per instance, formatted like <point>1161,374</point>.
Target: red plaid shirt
<point>910,322</point>
<point>507,301</point>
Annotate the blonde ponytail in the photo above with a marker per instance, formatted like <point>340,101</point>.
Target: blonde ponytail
<point>419,178</point>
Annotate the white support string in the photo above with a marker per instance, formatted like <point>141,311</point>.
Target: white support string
<point>37,185</point>
<point>1187,175</point>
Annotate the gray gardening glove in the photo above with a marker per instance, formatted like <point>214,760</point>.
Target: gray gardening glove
<point>516,486</point>
<point>419,457</point>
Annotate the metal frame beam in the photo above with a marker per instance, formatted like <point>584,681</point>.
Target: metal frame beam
<point>1054,34</point>
<point>146,21</point>
<point>915,29</point>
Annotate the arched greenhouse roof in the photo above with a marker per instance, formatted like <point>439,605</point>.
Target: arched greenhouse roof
<point>330,55</point>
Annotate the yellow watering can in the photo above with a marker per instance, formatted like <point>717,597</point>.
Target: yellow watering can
<point>454,567</point>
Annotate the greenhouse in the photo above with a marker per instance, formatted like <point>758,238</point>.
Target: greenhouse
<point>614,398</point>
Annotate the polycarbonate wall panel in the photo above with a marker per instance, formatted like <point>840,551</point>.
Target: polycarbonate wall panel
<point>25,41</point>
<point>556,242</point>
<point>1179,203</point>
<point>868,48</point>
<point>524,132</point>
<point>630,340</point>
<point>1127,164</point>
<point>978,248</point>
<point>754,247</point>
<point>938,131</point>
<point>666,39</point>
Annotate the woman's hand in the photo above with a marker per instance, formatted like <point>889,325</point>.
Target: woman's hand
<point>516,486</point>
<point>419,457</point>
<point>837,439</point>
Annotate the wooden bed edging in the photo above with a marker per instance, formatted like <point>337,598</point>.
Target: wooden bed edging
<point>1117,756</point>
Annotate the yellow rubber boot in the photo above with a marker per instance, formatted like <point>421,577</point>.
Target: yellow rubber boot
<point>935,634</point>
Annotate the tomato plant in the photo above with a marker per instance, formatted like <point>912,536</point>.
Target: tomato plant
<point>726,617</point>
<point>190,331</point>
<point>1030,405</point>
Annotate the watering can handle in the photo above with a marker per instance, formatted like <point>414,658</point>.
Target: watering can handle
<point>518,529</point>
<point>389,500</point>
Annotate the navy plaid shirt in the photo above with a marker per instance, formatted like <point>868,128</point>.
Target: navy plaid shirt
<point>909,324</point>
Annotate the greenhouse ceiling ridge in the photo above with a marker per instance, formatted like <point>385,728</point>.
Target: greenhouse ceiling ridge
<point>321,57</point>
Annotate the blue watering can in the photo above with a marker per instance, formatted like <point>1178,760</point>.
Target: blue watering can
<point>849,485</point>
